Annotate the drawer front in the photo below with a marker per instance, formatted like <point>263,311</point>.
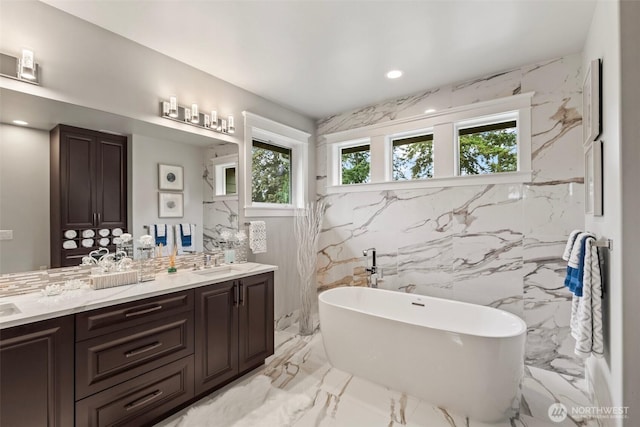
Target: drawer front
<point>141,400</point>
<point>110,359</point>
<point>110,319</point>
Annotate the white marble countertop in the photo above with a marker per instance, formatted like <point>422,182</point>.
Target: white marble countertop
<point>35,307</point>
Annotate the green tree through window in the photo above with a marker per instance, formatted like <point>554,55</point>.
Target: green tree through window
<point>413,157</point>
<point>355,165</point>
<point>489,149</point>
<point>271,173</point>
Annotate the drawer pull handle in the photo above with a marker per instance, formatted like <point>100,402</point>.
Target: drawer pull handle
<point>145,311</point>
<point>145,399</point>
<point>144,349</point>
<point>243,291</point>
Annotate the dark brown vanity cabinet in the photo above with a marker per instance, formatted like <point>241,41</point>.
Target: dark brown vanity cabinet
<point>134,361</point>
<point>88,189</point>
<point>234,329</point>
<point>36,374</point>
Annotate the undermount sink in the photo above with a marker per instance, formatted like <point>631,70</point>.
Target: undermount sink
<point>7,309</point>
<point>216,271</point>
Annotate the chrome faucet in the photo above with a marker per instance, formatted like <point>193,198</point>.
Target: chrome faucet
<point>374,272</point>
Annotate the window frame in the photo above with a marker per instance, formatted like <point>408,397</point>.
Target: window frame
<point>220,165</point>
<point>271,132</point>
<point>484,121</point>
<point>406,135</point>
<point>445,145</point>
<point>352,144</point>
<point>290,153</point>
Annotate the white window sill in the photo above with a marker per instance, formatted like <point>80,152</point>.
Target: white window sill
<point>225,197</point>
<point>454,181</point>
<point>269,210</point>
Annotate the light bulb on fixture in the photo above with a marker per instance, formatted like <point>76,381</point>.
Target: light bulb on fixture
<point>187,115</point>
<point>231,123</point>
<point>173,107</point>
<point>27,65</point>
<point>223,125</point>
<point>214,120</point>
<point>195,114</point>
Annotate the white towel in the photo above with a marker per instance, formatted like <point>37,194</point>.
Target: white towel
<point>69,244</point>
<point>574,258</point>
<point>187,229</point>
<point>586,311</point>
<point>258,237</point>
<point>161,229</point>
<point>569,247</point>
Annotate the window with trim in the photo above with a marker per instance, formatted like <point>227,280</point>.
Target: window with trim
<point>487,142</point>
<point>412,157</point>
<point>355,164</point>
<point>271,173</point>
<point>488,148</point>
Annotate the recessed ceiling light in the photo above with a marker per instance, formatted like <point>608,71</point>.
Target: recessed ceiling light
<point>20,122</point>
<point>394,74</point>
<point>430,110</point>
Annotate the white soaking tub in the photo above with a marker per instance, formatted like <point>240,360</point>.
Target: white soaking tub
<point>463,357</point>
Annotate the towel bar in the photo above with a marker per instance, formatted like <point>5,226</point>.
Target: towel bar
<point>604,243</point>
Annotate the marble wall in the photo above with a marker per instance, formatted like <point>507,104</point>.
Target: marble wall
<point>497,245</point>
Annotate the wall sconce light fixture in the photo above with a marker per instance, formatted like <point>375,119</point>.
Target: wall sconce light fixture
<point>23,68</point>
<point>173,111</point>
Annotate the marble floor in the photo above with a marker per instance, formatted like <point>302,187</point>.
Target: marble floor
<point>338,399</point>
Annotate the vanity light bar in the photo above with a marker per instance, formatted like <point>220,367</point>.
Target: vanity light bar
<point>173,111</point>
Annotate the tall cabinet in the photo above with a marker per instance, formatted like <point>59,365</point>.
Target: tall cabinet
<point>88,180</point>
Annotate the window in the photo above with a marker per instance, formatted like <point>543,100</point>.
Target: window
<point>355,164</point>
<point>487,142</point>
<point>488,148</point>
<point>230,180</point>
<point>271,173</point>
<point>412,157</point>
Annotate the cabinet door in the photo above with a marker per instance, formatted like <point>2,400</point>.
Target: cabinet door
<point>216,346</point>
<point>36,374</point>
<point>256,320</point>
<point>111,182</point>
<point>77,182</point>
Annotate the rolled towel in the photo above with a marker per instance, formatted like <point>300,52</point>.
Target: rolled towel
<point>70,234</point>
<point>258,237</point>
<point>88,233</point>
<point>116,231</point>
<point>69,244</point>
<point>87,243</point>
<point>104,241</point>
<point>103,232</point>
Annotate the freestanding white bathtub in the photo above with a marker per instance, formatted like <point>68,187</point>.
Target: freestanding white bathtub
<point>463,357</point>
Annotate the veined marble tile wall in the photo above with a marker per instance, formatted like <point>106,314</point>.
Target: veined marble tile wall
<point>497,245</point>
<point>219,215</point>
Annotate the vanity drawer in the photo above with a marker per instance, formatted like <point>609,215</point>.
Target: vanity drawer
<point>110,319</point>
<point>141,400</point>
<point>107,360</point>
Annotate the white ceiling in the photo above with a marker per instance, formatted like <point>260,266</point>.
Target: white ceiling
<point>325,57</point>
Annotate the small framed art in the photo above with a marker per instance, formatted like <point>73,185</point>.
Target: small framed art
<point>170,177</point>
<point>591,107</point>
<point>170,205</point>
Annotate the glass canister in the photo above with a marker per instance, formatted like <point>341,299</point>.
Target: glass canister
<point>146,263</point>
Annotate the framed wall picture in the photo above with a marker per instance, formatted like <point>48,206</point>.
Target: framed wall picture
<point>591,106</point>
<point>593,179</point>
<point>170,205</point>
<point>170,177</point>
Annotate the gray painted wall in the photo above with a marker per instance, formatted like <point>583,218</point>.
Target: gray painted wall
<point>147,154</point>
<point>24,198</point>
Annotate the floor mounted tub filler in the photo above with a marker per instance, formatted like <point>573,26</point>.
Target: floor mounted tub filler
<point>463,357</point>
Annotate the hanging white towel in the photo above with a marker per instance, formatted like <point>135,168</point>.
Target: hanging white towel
<point>586,311</point>
<point>258,237</point>
<point>569,247</point>
<point>186,230</point>
<point>160,230</point>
